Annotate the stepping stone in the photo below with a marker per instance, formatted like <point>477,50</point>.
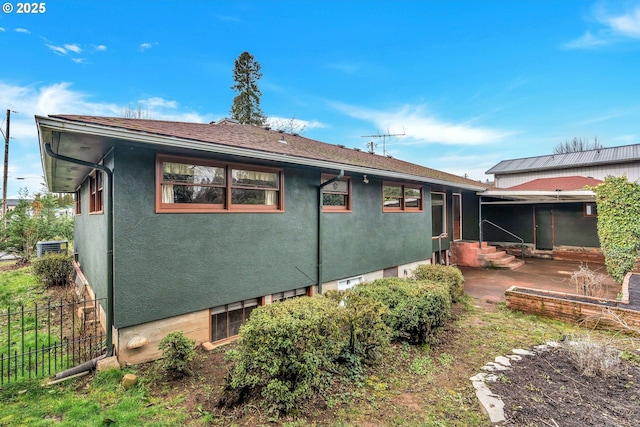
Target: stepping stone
<point>503,361</point>
<point>523,352</point>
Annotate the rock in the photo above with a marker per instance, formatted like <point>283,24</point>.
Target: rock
<point>207,346</point>
<point>522,352</point>
<point>503,361</point>
<point>128,381</point>
<point>108,363</point>
<point>137,342</point>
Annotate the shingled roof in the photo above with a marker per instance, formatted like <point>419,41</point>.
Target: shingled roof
<point>563,183</point>
<point>257,139</point>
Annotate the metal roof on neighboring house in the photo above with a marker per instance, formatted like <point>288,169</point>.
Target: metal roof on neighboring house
<point>622,154</point>
<point>224,136</point>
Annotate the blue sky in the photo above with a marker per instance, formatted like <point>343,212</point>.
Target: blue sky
<point>470,83</point>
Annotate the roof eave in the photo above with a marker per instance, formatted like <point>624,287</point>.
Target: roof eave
<point>62,125</point>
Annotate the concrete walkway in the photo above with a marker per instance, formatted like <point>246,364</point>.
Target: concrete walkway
<point>488,285</point>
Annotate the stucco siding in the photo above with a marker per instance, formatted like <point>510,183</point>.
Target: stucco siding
<point>90,240</point>
<point>170,264</point>
<point>572,228</point>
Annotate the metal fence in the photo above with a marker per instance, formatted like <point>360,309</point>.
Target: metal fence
<point>47,338</point>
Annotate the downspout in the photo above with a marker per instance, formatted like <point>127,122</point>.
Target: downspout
<point>320,187</point>
<point>480,220</point>
<point>109,173</point>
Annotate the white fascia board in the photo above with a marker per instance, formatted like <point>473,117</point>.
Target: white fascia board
<point>61,125</point>
<point>507,193</point>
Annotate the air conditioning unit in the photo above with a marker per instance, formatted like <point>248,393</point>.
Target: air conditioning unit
<point>57,246</point>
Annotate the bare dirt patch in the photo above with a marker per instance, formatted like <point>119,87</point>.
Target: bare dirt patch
<point>549,390</point>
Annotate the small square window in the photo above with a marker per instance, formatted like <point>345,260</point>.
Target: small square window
<point>336,197</point>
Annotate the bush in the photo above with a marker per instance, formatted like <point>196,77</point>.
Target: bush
<point>177,353</point>
<point>449,275</point>
<point>416,309</point>
<point>595,360</point>
<point>53,269</point>
<point>287,350</point>
<point>367,334</point>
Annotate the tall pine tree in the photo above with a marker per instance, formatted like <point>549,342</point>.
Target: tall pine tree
<point>246,105</point>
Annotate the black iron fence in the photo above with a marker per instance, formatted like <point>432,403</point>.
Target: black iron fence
<point>47,338</point>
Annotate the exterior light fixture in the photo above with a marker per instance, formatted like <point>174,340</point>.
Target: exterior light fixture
<point>365,179</point>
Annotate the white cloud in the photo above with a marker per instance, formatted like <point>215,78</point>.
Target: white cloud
<point>294,124</point>
<point>23,31</point>
<point>73,48</point>
<point>2,30</point>
<point>60,98</point>
<point>79,60</point>
<point>627,24</point>
<point>101,48</point>
<point>614,28</point>
<point>57,49</point>
<point>145,46</point>
<point>421,128</point>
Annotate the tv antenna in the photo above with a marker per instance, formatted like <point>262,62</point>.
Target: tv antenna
<point>371,145</point>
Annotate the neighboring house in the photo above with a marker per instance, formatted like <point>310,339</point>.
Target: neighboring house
<point>597,164</point>
<point>212,220</point>
<point>548,214</point>
<point>13,203</point>
<point>545,200</point>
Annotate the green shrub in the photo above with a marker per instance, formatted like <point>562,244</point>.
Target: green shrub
<point>447,274</point>
<point>416,309</point>
<point>177,353</point>
<point>287,351</point>
<point>618,203</point>
<point>53,269</point>
<point>368,335</point>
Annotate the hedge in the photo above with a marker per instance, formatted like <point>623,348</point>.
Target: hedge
<point>416,308</point>
<point>447,274</point>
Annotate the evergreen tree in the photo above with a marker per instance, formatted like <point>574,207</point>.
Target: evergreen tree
<point>246,105</point>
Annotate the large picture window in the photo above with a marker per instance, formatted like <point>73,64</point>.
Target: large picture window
<point>401,197</point>
<point>336,197</point>
<point>438,214</point>
<point>190,185</point>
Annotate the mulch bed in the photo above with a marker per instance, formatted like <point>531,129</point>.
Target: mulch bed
<point>548,390</point>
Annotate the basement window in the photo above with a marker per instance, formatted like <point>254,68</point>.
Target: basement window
<point>227,319</point>
<point>294,293</point>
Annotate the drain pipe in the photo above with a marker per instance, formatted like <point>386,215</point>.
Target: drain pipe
<point>109,173</point>
<point>320,187</point>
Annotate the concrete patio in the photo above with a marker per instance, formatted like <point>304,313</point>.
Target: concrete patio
<point>488,285</point>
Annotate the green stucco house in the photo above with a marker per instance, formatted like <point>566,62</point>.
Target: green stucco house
<point>190,226</point>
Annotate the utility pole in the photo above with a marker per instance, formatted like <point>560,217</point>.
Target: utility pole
<point>6,168</point>
<point>384,137</point>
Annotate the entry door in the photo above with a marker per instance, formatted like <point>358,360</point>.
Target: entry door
<point>457,216</point>
<point>544,228</point>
